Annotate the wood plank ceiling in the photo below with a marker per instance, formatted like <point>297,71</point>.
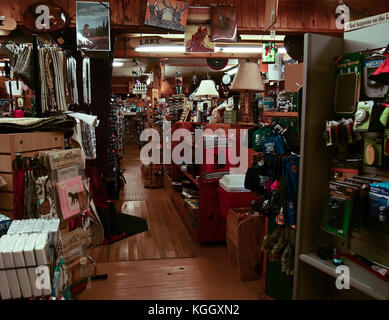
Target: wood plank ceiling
<point>295,16</point>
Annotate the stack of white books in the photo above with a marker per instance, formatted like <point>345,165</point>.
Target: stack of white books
<point>26,258</point>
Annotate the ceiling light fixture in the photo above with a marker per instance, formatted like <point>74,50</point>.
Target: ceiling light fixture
<point>252,37</point>
<point>239,49</point>
<point>161,49</point>
<point>181,49</point>
<point>117,63</point>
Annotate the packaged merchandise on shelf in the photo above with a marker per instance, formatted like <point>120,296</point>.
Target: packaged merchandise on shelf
<point>5,223</point>
<point>379,202</point>
<point>75,248</point>
<point>55,160</point>
<point>30,248</point>
<point>339,208</point>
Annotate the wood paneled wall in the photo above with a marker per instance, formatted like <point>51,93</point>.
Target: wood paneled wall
<point>294,15</point>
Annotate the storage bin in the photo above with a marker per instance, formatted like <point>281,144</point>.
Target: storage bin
<point>232,193</point>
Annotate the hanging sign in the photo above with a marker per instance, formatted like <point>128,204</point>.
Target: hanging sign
<point>148,41</point>
<point>367,22</point>
<point>45,17</point>
<point>93,26</point>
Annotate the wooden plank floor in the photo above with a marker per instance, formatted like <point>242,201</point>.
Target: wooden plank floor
<point>159,242</point>
<point>207,276</point>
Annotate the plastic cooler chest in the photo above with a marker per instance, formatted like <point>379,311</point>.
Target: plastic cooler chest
<point>232,194</point>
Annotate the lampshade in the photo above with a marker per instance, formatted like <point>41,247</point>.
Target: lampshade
<point>207,89</point>
<point>166,89</point>
<point>248,78</point>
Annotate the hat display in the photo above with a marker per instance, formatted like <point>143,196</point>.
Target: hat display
<point>6,26</point>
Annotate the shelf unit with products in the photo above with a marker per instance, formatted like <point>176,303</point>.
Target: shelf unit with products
<point>314,274</point>
<point>153,174</point>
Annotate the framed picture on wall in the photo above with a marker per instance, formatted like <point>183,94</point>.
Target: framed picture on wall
<point>198,38</point>
<point>93,26</point>
<point>167,14</point>
<point>224,24</point>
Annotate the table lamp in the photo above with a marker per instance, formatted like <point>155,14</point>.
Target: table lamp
<point>207,90</point>
<point>247,80</point>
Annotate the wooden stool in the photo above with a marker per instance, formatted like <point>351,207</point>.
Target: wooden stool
<point>244,240</point>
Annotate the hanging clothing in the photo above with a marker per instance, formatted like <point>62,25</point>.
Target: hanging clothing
<point>18,213</point>
<point>84,134</point>
<point>30,196</point>
<point>89,141</point>
<point>86,81</point>
<point>72,77</point>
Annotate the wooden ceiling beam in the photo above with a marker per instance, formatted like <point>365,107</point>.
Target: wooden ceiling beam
<point>121,54</point>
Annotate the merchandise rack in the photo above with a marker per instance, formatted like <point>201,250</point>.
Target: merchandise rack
<point>313,278</point>
<point>152,175</point>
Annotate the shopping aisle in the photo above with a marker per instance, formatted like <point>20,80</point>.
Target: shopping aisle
<point>143,266</point>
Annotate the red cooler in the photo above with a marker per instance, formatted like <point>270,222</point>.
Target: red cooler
<point>233,195</point>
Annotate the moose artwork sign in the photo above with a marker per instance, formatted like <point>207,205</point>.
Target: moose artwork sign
<point>167,14</point>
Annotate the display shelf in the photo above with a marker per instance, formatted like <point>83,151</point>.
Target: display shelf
<point>191,178</point>
<point>179,201</point>
<point>311,274</point>
<point>360,278</point>
<point>271,114</point>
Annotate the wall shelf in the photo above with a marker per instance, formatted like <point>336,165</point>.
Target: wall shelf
<point>360,278</point>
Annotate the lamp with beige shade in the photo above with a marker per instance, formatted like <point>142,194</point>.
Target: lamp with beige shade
<point>247,80</point>
<point>207,90</point>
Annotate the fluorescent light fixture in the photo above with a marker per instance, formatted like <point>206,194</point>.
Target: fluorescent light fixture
<point>117,63</point>
<point>165,36</point>
<point>239,49</point>
<point>181,49</point>
<point>2,64</point>
<point>161,49</point>
<point>252,37</point>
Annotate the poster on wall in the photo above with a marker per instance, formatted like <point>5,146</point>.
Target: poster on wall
<point>167,14</point>
<point>198,38</point>
<point>269,52</point>
<point>93,26</point>
<point>224,24</point>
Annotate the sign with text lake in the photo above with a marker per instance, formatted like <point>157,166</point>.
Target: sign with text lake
<point>93,26</point>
